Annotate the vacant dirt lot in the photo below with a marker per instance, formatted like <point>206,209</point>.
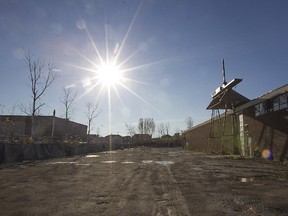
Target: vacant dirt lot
<point>144,181</point>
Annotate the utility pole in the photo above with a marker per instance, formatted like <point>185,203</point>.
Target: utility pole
<point>53,123</point>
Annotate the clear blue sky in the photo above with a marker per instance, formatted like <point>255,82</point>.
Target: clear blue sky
<point>175,47</point>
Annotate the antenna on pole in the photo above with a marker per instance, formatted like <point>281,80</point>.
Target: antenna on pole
<point>223,73</point>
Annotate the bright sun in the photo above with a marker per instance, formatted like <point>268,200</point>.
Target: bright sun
<point>109,75</point>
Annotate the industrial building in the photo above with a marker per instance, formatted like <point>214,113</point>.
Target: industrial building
<point>17,127</point>
<point>241,126</point>
<point>249,128</point>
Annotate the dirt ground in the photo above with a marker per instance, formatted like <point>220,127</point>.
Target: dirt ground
<point>144,181</point>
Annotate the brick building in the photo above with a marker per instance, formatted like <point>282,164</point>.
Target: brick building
<point>139,139</point>
<point>17,126</point>
<point>256,128</point>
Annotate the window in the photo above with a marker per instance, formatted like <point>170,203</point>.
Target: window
<point>259,109</point>
<point>283,101</point>
<point>280,102</point>
<point>276,104</point>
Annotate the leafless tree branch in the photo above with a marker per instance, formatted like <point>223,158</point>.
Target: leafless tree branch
<point>68,100</point>
<point>41,76</point>
<point>92,113</point>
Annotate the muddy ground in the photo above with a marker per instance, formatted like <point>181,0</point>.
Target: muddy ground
<point>144,181</point>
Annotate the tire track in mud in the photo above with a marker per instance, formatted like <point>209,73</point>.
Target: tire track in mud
<point>171,201</point>
<point>149,189</point>
<point>140,182</point>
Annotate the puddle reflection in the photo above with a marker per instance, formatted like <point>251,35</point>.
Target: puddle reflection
<point>109,162</point>
<point>174,154</point>
<point>92,156</point>
<point>147,161</point>
<point>127,162</point>
<point>109,152</point>
<point>164,162</point>
<point>246,179</point>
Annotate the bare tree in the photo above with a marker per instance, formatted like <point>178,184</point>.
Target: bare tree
<point>41,76</point>
<point>141,126</point>
<point>150,126</point>
<point>92,112</point>
<point>189,122</point>
<point>68,100</point>
<point>146,126</point>
<point>14,107</point>
<point>161,129</point>
<point>177,130</point>
<point>167,128</point>
<point>131,129</point>
<point>2,108</point>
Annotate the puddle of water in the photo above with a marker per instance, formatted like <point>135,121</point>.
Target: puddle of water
<point>164,162</point>
<point>92,156</point>
<point>82,164</point>
<point>127,162</point>
<point>174,154</point>
<point>109,162</point>
<point>109,152</point>
<point>246,179</point>
<point>147,161</point>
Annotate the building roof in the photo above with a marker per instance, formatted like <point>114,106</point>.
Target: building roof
<point>38,117</point>
<point>197,126</point>
<point>227,99</point>
<point>275,92</point>
<point>267,96</point>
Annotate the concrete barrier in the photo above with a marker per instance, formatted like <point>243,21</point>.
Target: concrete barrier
<point>19,152</point>
<point>2,153</point>
<point>13,153</point>
<point>29,152</point>
<point>42,151</point>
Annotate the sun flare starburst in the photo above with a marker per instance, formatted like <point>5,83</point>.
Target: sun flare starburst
<point>109,69</point>
<point>109,75</point>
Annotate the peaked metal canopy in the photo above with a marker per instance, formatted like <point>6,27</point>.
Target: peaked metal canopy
<point>227,99</point>
<point>224,97</point>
